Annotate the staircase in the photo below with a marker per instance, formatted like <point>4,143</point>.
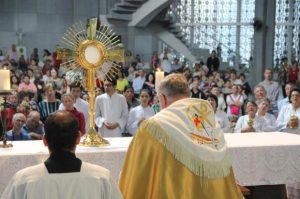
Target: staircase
<point>152,15</point>
<point>123,11</point>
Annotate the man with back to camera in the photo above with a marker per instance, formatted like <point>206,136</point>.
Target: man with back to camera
<point>62,175</point>
<point>180,152</point>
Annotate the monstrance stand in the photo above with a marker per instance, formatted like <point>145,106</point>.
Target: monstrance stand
<point>94,48</point>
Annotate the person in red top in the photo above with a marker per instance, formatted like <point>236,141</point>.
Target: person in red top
<point>68,102</point>
<point>10,109</point>
<point>293,72</point>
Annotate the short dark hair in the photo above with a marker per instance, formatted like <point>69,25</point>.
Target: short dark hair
<point>25,75</point>
<point>112,80</point>
<point>61,131</point>
<point>76,84</point>
<point>284,59</point>
<point>213,97</point>
<point>249,101</point>
<point>294,89</point>
<point>128,87</point>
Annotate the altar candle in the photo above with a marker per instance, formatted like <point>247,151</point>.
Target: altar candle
<point>159,76</point>
<point>4,80</point>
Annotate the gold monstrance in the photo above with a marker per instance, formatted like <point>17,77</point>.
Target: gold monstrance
<point>94,48</point>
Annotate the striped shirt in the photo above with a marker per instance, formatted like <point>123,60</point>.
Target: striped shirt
<point>46,108</point>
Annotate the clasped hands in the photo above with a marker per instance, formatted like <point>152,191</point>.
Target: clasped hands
<point>110,125</point>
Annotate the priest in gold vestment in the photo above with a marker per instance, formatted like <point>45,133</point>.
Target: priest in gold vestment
<point>180,153</point>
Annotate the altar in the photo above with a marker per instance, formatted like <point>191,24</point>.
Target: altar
<point>257,158</point>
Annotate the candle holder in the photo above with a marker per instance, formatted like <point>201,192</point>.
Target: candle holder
<point>4,94</point>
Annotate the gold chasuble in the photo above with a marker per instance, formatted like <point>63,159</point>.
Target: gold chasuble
<point>180,153</point>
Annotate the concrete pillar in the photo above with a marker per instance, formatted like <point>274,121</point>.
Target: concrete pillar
<point>263,38</point>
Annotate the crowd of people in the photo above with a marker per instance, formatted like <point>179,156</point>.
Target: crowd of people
<point>46,105</point>
<point>41,88</point>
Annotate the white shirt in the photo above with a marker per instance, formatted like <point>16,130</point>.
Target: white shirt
<point>111,109</point>
<point>223,120</point>
<point>135,115</point>
<point>282,103</point>
<point>93,182</point>
<point>270,122</point>
<point>259,124</point>
<point>81,106</point>
<point>138,83</point>
<point>221,103</point>
<point>166,64</point>
<point>285,114</point>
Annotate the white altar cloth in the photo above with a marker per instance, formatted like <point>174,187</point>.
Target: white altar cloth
<point>28,153</point>
<point>265,158</point>
<point>258,158</point>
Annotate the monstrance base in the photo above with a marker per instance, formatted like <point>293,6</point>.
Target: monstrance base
<point>6,145</point>
<point>92,139</point>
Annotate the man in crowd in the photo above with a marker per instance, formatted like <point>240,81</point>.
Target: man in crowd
<point>62,175</point>
<point>272,89</point>
<point>259,93</point>
<point>111,111</point>
<point>138,83</point>
<point>33,126</point>
<point>17,133</point>
<point>213,62</point>
<point>179,152</point>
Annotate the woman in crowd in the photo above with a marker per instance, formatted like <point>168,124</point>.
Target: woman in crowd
<point>270,120</point>
<point>129,95</point>
<point>34,66</point>
<point>250,122</point>
<point>121,82</point>
<point>47,55</point>
<point>154,62</point>
<point>220,116</point>
<point>138,114</point>
<point>288,117</point>
<point>50,104</point>
<point>57,81</point>
<point>31,75</point>
<point>150,83</point>
<point>234,102</point>
<point>68,102</point>
<point>27,86</point>
<point>15,81</point>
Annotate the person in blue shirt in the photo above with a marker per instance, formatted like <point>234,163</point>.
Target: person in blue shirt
<point>17,133</point>
<point>33,126</point>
